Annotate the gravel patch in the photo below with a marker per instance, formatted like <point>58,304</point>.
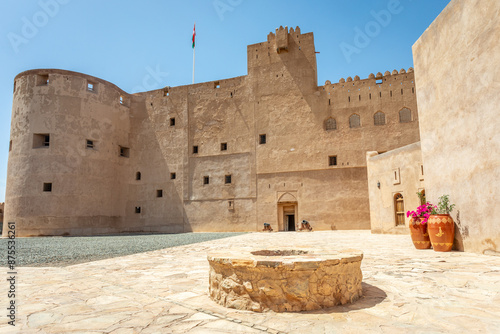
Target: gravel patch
<point>64,251</point>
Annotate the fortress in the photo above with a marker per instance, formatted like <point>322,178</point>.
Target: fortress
<point>272,146</point>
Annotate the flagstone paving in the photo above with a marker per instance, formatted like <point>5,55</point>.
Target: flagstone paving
<point>165,291</point>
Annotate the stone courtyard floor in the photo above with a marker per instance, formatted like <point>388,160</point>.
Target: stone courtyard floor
<point>165,291</point>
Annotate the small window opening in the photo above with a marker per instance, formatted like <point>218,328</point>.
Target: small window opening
<point>41,140</point>
<point>359,96</point>
<point>370,96</point>
<point>159,193</point>
<point>42,79</point>
<point>413,90</point>
<point>91,87</point>
<point>354,121</point>
<point>379,81</point>
<point>223,146</point>
<point>380,94</point>
<point>401,92</point>
<point>217,84</point>
<point>206,180</point>
<point>47,187</point>
<point>10,146</point>
<point>399,209</point>
<point>262,139</point>
<point>230,205</point>
<point>227,179</point>
<point>124,152</point>
<point>404,115</point>
<point>391,93</point>
<point>379,118</point>
<point>15,86</point>
<point>195,149</point>
<point>90,143</point>
<point>122,100</point>
<point>329,102</point>
<point>138,176</point>
<point>332,160</point>
<point>330,124</point>
<point>231,94</point>
<point>172,121</point>
<point>172,176</point>
<point>137,209</point>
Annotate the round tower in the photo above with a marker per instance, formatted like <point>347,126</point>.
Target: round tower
<point>68,154</point>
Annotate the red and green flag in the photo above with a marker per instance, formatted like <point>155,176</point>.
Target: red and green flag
<point>194,33</point>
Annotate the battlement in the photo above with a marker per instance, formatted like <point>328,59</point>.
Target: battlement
<point>372,76</point>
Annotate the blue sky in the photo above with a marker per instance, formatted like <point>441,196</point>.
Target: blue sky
<point>143,45</point>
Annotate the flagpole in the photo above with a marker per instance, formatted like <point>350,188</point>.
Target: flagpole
<point>194,47</point>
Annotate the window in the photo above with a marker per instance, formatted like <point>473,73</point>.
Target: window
<point>137,209</point>
<point>172,121</point>
<point>330,124</point>
<point>405,115</point>
<point>379,81</point>
<point>166,92</point>
<point>399,209</point>
<point>354,121</point>
<point>124,152</point>
<point>122,100</point>
<point>216,84</point>
<point>42,80</point>
<point>10,146</point>
<point>206,180</point>
<point>41,140</point>
<point>230,205</point>
<point>91,87</point>
<point>159,193</point>
<point>195,149</point>
<point>172,176</point>
<point>223,146</point>
<point>332,160</point>
<point>138,176</point>
<point>397,176</point>
<point>14,86</point>
<point>47,187</point>
<point>227,179</point>
<point>262,139</point>
<point>379,118</point>
<point>90,143</point>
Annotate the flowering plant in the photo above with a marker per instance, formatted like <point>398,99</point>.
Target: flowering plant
<point>423,210</point>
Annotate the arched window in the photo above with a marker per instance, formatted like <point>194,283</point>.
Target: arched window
<point>330,124</point>
<point>379,118</point>
<point>404,115</point>
<point>354,121</point>
<point>399,209</point>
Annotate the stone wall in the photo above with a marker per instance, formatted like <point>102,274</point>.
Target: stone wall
<point>398,171</point>
<point>457,75</point>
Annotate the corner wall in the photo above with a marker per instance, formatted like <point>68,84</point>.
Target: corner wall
<point>457,75</point>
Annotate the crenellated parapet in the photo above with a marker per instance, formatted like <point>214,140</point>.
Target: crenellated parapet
<point>373,76</point>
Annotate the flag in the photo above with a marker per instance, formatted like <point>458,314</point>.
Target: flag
<point>194,33</point>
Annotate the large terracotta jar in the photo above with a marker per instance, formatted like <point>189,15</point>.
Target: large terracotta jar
<point>441,232</point>
<point>419,234</point>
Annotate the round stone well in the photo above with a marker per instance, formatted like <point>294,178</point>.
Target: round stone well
<point>285,280</point>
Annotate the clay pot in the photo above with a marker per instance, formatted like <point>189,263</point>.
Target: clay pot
<point>419,234</point>
<point>441,230</point>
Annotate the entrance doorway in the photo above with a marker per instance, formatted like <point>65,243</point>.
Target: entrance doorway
<point>291,222</point>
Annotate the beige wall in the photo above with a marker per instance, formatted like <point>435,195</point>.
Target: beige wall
<point>96,191</point>
<point>457,75</point>
<point>398,172</point>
